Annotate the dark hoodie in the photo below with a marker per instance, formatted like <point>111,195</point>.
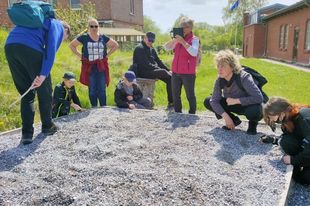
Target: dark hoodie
<point>121,93</point>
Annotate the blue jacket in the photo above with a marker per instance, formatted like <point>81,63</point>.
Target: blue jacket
<point>35,39</point>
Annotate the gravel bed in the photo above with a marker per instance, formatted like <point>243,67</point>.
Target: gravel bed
<point>299,196</point>
<point>110,156</point>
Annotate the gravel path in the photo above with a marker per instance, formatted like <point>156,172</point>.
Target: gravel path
<point>120,157</point>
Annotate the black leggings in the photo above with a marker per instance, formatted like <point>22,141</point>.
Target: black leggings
<point>252,112</point>
<point>164,76</point>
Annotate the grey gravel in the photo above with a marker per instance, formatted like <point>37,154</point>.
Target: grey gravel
<point>299,196</point>
<point>119,157</point>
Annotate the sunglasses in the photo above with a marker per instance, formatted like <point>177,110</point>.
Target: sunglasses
<point>93,26</point>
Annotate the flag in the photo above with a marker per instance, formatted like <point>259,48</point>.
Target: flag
<point>235,5</point>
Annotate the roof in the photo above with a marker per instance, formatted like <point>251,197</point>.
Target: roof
<point>120,32</point>
<point>294,7</point>
<point>271,7</point>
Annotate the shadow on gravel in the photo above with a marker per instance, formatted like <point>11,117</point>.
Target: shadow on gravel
<point>73,117</point>
<point>235,144</point>
<point>15,156</point>
<point>181,120</point>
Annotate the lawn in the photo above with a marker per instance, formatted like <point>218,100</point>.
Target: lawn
<point>283,81</point>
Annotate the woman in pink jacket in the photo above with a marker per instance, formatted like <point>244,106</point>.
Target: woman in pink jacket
<point>184,65</point>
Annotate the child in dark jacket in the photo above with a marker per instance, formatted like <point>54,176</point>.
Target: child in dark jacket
<point>65,96</point>
<point>128,95</point>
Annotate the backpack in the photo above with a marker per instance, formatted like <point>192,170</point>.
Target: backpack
<point>259,80</point>
<point>30,14</point>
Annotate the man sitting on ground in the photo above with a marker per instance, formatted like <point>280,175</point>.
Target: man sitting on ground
<point>128,95</point>
<point>150,66</point>
<point>65,96</point>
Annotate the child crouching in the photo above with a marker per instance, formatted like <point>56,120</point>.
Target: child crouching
<point>128,95</point>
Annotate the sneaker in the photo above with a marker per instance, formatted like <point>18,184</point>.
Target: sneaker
<point>252,128</point>
<point>267,139</point>
<point>236,121</point>
<point>52,130</point>
<point>26,139</point>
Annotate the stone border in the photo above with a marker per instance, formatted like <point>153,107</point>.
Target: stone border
<point>289,169</point>
<point>288,186</point>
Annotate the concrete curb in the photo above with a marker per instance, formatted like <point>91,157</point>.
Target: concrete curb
<point>288,186</point>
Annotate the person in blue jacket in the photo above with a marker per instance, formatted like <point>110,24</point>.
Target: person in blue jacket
<point>30,54</point>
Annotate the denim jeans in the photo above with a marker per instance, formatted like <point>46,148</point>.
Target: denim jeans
<point>97,87</point>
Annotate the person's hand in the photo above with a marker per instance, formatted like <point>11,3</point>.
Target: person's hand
<point>38,81</point>
<point>131,106</point>
<point>180,39</point>
<point>286,159</point>
<point>232,101</point>
<point>130,98</point>
<point>229,122</point>
<point>76,107</point>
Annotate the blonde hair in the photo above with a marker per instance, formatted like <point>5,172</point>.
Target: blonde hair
<point>186,21</point>
<point>229,58</point>
<point>92,20</point>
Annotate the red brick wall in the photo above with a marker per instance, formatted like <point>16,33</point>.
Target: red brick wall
<point>298,18</point>
<point>117,10</point>
<point>4,19</point>
<point>121,12</point>
<point>254,40</point>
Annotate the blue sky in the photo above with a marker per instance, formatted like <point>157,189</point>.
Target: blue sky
<point>165,12</point>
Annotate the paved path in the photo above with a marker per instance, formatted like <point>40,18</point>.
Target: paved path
<point>301,68</point>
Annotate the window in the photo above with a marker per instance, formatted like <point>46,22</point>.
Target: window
<point>132,7</point>
<point>285,36</point>
<point>307,45</point>
<point>283,40</point>
<point>11,2</point>
<point>75,4</point>
<point>281,37</point>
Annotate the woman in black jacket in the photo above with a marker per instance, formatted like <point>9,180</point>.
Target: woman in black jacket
<point>295,140</point>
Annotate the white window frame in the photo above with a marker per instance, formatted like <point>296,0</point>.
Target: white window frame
<point>307,39</point>
<point>132,7</point>
<point>75,8</point>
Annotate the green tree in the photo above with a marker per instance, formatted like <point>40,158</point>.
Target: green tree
<point>236,16</point>
<point>77,19</point>
<point>150,25</point>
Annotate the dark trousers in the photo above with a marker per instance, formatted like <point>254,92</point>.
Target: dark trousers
<point>143,103</point>
<point>292,145</point>
<point>25,64</point>
<point>164,76</point>
<point>252,112</point>
<point>188,81</point>
<point>97,88</point>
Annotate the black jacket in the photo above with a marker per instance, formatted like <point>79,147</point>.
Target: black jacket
<point>302,131</point>
<point>120,95</point>
<point>62,99</point>
<point>147,59</point>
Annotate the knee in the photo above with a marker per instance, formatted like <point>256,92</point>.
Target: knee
<point>207,103</point>
<point>290,145</point>
<point>254,112</point>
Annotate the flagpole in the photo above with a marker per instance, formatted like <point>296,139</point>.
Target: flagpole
<point>236,32</point>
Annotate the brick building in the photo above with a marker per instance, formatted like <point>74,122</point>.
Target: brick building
<point>110,13</point>
<point>279,32</point>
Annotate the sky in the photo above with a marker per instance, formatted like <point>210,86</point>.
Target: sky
<point>165,12</point>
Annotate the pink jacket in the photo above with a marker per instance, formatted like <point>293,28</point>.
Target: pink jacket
<point>183,62</point>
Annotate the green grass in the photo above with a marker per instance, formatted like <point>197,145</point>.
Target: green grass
<point>283,81</point>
